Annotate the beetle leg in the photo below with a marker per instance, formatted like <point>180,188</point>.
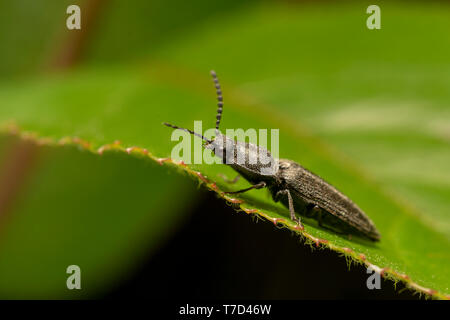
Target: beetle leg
<point>224,177</point>
<point>255,186</point>
<point>291,206</point>
<point>292,211</point>
<point>318,214</point>
<point>277,195</point>
<point>316,210</point>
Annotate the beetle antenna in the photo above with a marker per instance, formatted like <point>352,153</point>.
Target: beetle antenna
<point>219,99</point>
<point>187,130</point>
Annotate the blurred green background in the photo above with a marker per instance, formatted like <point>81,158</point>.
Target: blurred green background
<point>368,110</point>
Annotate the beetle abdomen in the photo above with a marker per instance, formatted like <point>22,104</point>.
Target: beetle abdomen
<point>339,210</point>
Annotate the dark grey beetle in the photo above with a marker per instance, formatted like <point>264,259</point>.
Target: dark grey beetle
<point>288,182</point>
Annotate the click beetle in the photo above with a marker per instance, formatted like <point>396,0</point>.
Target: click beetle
<point>297,188</point>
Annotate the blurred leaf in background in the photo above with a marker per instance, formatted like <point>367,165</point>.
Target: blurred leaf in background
<point>365,109</point>
<point>77,208</point>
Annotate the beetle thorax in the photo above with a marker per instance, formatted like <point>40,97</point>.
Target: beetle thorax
<point>247,158</point>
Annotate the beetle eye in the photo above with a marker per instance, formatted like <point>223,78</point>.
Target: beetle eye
<point>284,165</point>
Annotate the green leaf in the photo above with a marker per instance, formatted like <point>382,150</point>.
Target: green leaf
<point>101,213</point>
<point>101,107</point>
